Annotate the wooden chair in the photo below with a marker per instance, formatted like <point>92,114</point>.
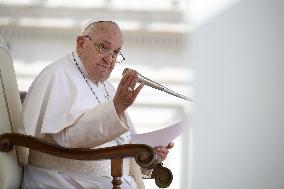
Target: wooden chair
<point>12,159</point>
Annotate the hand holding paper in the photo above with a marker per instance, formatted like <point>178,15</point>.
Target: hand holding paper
<point>163,151</point>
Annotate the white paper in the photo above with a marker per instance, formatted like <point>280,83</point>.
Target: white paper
<point>161,137</point>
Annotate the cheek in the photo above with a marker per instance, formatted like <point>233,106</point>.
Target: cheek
<point>89,64</point>
<point>91,57</point>
<point>89,54</point>
<point>90,61</point>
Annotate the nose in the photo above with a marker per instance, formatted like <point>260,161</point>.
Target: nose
<point>109,58</point>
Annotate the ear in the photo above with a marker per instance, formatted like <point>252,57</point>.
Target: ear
<point>80,44</point>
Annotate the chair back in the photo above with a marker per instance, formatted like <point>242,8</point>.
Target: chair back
<point>10,109</point>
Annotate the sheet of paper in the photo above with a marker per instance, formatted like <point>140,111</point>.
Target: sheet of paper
<point>161,137</point>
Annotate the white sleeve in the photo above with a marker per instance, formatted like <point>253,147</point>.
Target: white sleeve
<point>95,127</point>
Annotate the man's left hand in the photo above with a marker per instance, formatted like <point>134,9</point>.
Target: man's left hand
<point>163,151</point>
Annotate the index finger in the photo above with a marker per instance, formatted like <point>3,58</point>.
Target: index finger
<point>170,145</point>
<point>125,77</point>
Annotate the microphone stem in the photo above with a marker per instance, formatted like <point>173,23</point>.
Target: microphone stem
<point>155,85</point>
<point>160,87</point>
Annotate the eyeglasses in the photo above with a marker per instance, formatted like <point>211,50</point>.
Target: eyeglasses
<point>118,57</point>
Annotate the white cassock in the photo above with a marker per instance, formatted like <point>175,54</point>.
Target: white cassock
<point>60,107</point>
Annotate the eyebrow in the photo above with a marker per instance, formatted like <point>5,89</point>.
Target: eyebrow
<point>109,43</point>
<point>103,41</point>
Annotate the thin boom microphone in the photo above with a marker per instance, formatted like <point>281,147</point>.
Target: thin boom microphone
<point>155,85</point>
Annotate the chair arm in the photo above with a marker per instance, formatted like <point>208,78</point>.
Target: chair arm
<point>144,155</point>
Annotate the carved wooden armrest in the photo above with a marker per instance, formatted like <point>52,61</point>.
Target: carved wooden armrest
<point>144,155</point>
<point>162,175</point>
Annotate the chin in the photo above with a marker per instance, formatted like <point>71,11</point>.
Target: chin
<point>103,78</point>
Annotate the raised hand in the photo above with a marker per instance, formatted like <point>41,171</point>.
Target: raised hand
<point>126,92</point>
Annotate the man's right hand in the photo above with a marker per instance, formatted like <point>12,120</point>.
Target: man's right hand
<point>126,92</point>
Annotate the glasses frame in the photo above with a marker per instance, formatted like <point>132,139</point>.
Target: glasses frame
<point>101,51</point>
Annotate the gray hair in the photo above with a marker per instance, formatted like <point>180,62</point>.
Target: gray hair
<point>90,27</point>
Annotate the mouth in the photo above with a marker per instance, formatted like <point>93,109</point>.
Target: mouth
<point>104,66</point>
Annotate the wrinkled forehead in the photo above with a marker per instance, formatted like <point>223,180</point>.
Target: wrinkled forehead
<point>107,32</point>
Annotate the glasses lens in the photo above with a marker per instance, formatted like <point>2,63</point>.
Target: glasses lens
<point>120,58</point>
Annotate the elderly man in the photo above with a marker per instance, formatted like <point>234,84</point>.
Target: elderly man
<point>72,104</point>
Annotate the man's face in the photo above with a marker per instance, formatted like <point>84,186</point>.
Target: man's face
<point>98,51</point>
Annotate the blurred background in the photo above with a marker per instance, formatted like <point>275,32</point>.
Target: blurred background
<point>39,32</point>
<point>237,125</point>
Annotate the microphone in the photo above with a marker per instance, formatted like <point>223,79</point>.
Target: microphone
<point>155,85</point>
